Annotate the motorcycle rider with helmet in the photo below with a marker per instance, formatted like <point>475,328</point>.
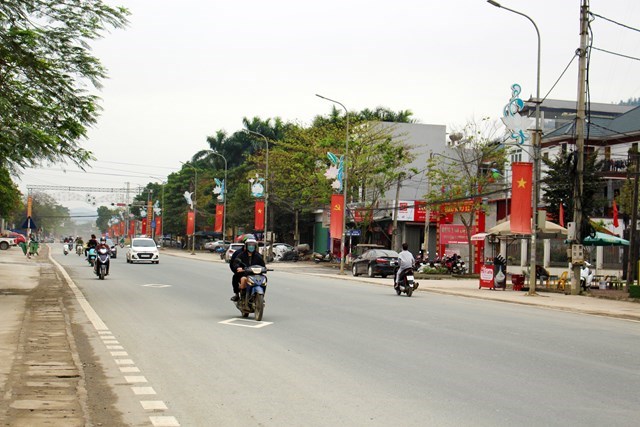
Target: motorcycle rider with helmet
<point>246,256</point>
<point>102,245</point>
<point>92,243</point>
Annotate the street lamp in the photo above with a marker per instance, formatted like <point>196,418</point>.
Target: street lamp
<point>344,184</point>
<point>163,182</point>
<point>266,191</point>
<point>195,214</point>
<point>224,196</point>
<point>536,158</point>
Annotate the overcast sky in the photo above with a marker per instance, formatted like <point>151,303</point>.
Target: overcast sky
<point>183,70</point>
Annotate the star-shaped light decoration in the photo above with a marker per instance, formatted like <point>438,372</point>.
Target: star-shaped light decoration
<point>331,173</point>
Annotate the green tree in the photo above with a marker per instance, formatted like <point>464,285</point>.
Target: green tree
<point>45,67</point>
<point>558,185</point>
<point>464,176</point>
<point>9,195</point>
<point>48,215</point>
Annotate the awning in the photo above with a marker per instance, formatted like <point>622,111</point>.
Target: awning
<point>602,239</point>
<point>479,237</point>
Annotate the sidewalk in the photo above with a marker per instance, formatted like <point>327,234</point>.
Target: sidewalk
<point>461,287</point>
<point>41,378</point>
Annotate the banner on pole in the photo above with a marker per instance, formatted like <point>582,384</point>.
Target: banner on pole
<point>191,223</point>
<point>219,218</point>
<point>521,190</point>
<point>337,210</point>
<point>259,215</point>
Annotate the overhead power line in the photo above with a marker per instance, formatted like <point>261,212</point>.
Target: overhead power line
<point>614,22</point>
<point>617,54</point>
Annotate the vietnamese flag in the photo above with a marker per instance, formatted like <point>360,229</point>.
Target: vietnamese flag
<point>219,218</point>
<point>521,190</point>
<point>337,209</point>
<point>144,227</point>
<point>191,223</point>
<point>158,226</point>
<point>132,228</point>
<point>615,214</point>
<point>259,216</point>
<point>561,215</point>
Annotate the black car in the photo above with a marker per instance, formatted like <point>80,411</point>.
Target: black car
<point>376,262</point>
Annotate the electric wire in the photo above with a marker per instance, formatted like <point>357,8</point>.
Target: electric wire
<point>561,75</point>
<point>616,54</point>
<point>615,22</point>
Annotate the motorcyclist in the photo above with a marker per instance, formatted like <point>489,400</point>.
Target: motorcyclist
<point>79,242</point>
<point>92,243</point>
<point>102,245</point>
<point>587,275</point>
<point>405,261</point>
<point>246,256</point>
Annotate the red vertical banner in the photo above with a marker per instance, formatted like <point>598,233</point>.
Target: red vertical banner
<point>561,215</point>
<point>219,218</point>
<point>144,226</point>
<point>259,216</point>
<point>521,190</point>
<point>337,210</point>
<point>616,223</point>
<point>132,228</point>
<point>158,226</point>
<point>122,229</point>
<point>191,223</point>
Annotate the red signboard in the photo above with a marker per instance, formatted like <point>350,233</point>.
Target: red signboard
<point>337,207</point>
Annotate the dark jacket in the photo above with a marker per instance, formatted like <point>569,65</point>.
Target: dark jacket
<point>244,258</point>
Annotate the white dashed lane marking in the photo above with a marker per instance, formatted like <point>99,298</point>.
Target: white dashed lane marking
<point>126,366</point>
<point>246,323</point>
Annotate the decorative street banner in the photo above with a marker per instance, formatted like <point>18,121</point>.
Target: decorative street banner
<point>337,206</point>
<point>132,228</point>
<point>454,234</point>
<point>158,227</point>
<point>219,218</point>
<point>144,227</point>
<point>259,216</point>
<point>191,223</point>
<point>521,189</point>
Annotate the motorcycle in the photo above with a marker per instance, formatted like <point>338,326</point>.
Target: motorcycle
<point>318,257</point>
<point>79,249</point>
<point>252,298</point>
<point>101,263</point>
<point>91,256</point>
<point>65,248</point>
<point>406,283</point>
<point>458,267</point>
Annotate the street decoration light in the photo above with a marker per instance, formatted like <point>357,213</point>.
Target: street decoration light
<point>344,183</point>
<point>192,204</point>
<point>221,191</point>
<point>536,157</point>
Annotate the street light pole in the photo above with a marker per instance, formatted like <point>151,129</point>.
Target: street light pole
<point>224,197</point>
<point>344,184</point>
<point>536,159</point>
<point>266,192</point>
<point>195,214</point>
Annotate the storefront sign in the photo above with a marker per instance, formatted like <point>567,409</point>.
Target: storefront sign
<point>452,234</point>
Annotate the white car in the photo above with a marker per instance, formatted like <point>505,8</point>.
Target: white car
<point>232,248</point>
<point>143,249</point>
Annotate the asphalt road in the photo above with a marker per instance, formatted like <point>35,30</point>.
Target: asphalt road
<point>344,353</point>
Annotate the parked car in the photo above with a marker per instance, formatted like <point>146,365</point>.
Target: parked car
<point>113,248</point>
<point>281,250</point>
<point>376,262</point>
<point>6,243</point>
<point>216,245</point>
<point>232,248</point>
<point>143,249</point>
<point>17,237</point>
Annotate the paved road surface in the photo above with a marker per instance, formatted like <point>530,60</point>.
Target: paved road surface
<point>345,353</point>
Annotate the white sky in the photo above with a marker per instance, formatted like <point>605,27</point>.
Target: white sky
<point>183,70</point>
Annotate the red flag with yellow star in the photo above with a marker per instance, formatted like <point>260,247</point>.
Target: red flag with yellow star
<point>258,223</point>
<point>521,189</point>
<point>337,206</point>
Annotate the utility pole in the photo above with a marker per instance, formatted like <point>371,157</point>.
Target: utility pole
<point>633,242</point>
<point>394,242</point>
<point>578,189</point>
